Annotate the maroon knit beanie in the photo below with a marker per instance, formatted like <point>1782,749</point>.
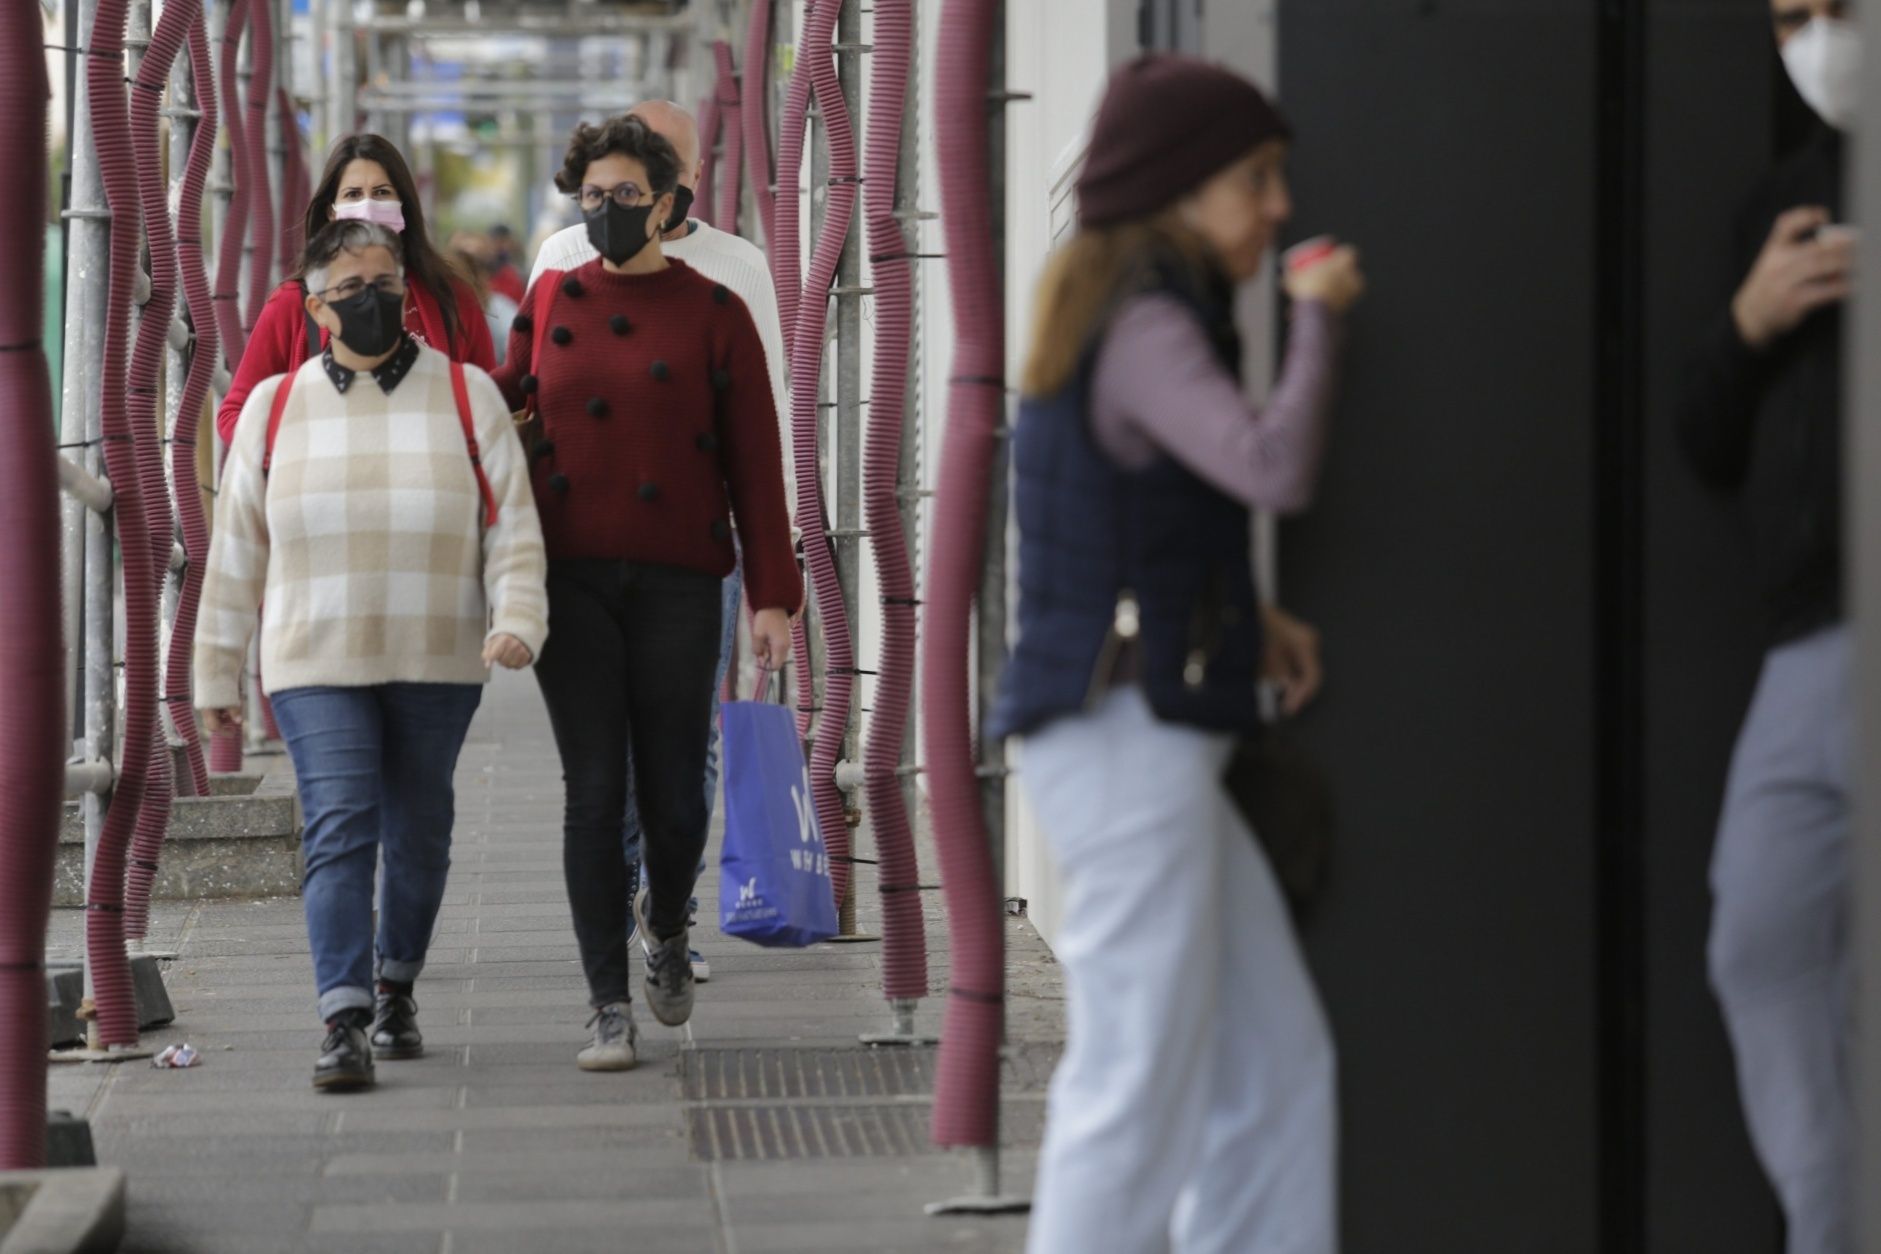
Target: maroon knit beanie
<point>1166,125</point>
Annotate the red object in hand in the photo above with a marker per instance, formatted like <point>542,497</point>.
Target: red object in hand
<point>1305,255</point>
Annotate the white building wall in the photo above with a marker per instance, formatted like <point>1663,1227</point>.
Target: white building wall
<point>1060,51</point>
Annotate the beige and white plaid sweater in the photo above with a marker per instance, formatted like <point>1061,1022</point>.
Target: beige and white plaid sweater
<point>367,538</point>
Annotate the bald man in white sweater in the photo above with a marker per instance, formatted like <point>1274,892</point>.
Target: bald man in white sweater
<point>738,264</point>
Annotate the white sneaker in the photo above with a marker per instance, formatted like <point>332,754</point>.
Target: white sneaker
<point>614,1035</point>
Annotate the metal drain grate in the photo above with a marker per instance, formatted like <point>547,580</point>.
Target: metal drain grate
<point>786,1103</point>
<point>758,1074</point>
<point>792,1131</point>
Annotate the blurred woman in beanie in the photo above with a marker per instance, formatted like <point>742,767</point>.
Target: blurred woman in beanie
<point>1195,1109</point>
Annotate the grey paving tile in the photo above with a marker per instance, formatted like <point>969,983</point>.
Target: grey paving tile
<point>206,1123</point>
<point>268,1104</point>
<point>653,1051</point>
<point>690,1186</point>
<point>616,1090</point>
<point>555,1013</point>
<point>544,967</point>
<point>631,1147</point>
<point>510,946</point>
<point>260,1153</point>
<point>512,1216</point>
<point>549,924</point>
<point>607,1239</point>
<point>513,1165</point>
<point>504,1118</point>
<point>568,979</point>
<point>931,1178</point>
<point>919,1236</point>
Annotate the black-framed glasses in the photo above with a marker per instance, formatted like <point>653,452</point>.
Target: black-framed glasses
<point>346,289</point>
<point>591,197</point>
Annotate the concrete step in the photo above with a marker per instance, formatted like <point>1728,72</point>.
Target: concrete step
<point>241,841</point>
<point>67,1211</point>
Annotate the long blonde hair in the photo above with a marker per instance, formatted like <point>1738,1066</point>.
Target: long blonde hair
<point>1084,280</point>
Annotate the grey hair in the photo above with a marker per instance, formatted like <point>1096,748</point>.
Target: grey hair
<point>347,235</point>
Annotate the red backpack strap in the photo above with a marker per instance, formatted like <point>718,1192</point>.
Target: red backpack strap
<point>469,423</point>
<point>274,421</point>
<point>543,303</point>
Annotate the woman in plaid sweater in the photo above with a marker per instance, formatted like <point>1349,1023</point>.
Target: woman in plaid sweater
<point>379,497</point>
<point>659,433</point>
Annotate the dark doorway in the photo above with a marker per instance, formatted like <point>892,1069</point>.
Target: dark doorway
<point>1540,632</point>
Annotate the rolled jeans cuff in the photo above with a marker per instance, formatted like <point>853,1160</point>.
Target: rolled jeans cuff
<point>400,972</point>
<point>335,1000</point>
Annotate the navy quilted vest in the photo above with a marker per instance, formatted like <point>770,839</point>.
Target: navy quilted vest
<point>1156,556</point>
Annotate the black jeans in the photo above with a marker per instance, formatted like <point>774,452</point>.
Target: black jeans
<point>629,669</point>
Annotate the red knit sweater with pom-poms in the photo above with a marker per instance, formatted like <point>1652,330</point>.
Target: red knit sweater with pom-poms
<point>659,426</point>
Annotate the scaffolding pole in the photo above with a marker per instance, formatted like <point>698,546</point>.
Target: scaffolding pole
<point>847,436</point>
<point>87,285</point>
<point>990,645</point>
<point>909,483</point>
<point>182,114</point>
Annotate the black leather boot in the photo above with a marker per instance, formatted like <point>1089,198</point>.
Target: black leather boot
<point>395,1034</point>
<point>345,1056</point>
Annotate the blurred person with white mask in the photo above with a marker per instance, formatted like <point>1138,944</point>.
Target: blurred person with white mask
<point>1761,424</point>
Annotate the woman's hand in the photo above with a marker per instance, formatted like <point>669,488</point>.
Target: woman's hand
<point>770,639</point>
<point>1335,282</point>
<point>507,651</point>
<point>1291,662</point>
<point>215,722</point>
<point>1804,266</point>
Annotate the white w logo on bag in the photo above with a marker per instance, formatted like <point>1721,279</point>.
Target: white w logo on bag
<point>748,893</point>
<point>806,809</point>
<point>807,859</point>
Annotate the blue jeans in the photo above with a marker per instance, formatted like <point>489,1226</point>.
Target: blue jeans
<point>727,640</point>
<point>374,767</point>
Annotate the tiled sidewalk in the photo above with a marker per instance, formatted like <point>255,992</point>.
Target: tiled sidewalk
<point>495,1143</point>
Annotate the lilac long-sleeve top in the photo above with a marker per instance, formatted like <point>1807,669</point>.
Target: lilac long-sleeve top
<point>1159,389</point>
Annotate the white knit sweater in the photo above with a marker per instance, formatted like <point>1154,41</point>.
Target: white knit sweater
<point>368,538</point>
<point>723,258</point>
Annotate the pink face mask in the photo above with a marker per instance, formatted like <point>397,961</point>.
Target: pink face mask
<point>386,213</point>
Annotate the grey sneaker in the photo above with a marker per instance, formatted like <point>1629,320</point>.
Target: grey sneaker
<point>701,968</point>
<point>669,983</point>
<point>613,1047</point>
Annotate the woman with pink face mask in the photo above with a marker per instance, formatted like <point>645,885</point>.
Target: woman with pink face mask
<point>366,178</point>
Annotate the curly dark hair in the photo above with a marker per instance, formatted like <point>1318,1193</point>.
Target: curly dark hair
<point>628,136</point>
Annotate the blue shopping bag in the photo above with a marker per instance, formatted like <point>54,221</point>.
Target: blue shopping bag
<point>774,885</point>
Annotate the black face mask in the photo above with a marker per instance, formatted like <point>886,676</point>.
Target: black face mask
<point>618,234</point>
<point>682,207</point>
<point>371,322</point>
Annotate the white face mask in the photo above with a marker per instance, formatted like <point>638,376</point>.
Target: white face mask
<point>387,213</point>
<point>1824,61</point>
